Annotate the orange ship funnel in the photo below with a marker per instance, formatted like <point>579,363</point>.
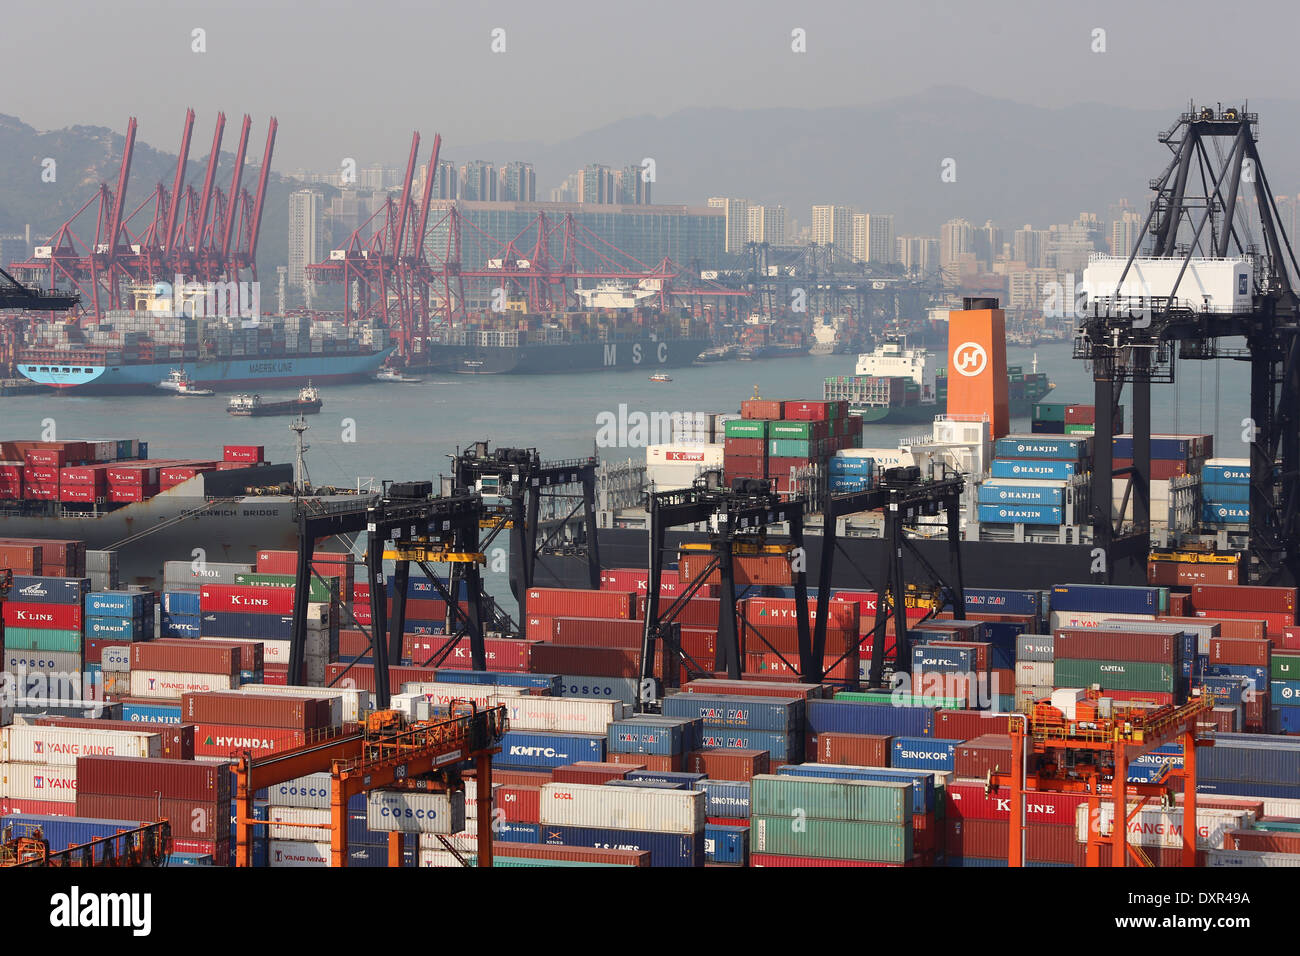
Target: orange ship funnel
<point>977,363</point>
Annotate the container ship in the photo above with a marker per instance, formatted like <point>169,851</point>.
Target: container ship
<point>901,384</point>
<point>615,333</point>
<point>133,351</point>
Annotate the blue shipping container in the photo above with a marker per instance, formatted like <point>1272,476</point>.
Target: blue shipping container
<point>1237,788</point>
<point>39,590</point>
<point>1056,448</point>
<point>1219,494</point>
<point>855,465</point>
<point>993,493</point>
<point>177,625</point>
<point>181,602</point>
<point>853,717</point>
<point>943,660</point>
<point>666,849</point>
<point>689,781</point>
<point>1112,598</point>
<point>1163,447</point>
<point>550,682</point>
<point>1021,514</point>
<point>126,604</point>
<point>1284,693</point>
<point>923,795</point>
<point>847,483</point>
<point>639,737</point>
<point>1029,468</point>
<point>1225,475</point>
<point>62,832</point>
<point>1258,676</point>
<point>521,748</point>
<point>152,713</point>
<point>1225,514</point>
<point>728,799</point>
<point>1252,759</point>
<point>266,627</point>
<point>653,784</point>
<point>1286,720</point>
<point>603,688</point>
<point>726,844</point>
<point>1003,601</point>
<point>752,713</point>
<point>126,629</point>
<point>923,753</point>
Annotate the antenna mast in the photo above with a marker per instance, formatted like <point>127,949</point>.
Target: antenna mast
<point>302,480</point>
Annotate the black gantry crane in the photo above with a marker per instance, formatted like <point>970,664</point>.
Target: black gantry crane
<point>1203,217</point>
<point>512,482</point>
<point>15,295</point>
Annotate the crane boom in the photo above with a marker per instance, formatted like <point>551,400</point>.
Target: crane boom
<point>259,201</point>
<point>228,225</point>
<point>178,183</point>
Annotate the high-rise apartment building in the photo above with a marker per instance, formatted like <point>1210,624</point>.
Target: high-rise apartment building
<point>307,240</point>
<point>1124,232</point>
<point>632,186</point>
<point>478,181</point>
<point>517,182</point>
<point>917,254</point>
<point>597,184</point>
<point>767,224</point>
<point>737,217</point>
<point>956,239</point>
<point>833,226</point>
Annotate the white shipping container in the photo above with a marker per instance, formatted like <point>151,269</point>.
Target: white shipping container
<point>410,811</point>
<point>1214,285</point>
<point>1280,807</point>
<point>298,853</point>
<point>43,662</point>
<point>116,659</point>
<point>414,706</point>
<point>1230,858</point>
<point>471,801</point>
<point>1026,695</point>
<point>1060,619</point>
<point>463,842</point>
<point>63,745</point>
<point>885,457</point>
<point>578,715</point>
<point>36,781</point>
<point>311,792</point>
<point>1035,673</point>
<point>438,858</point>
<point>1154,826</point>
<point>320,833</point>
<point>277,652</point>
<point>684,453</point>
<point>351,702</point>
<point>441,694</point>
<point>622,808</point>
<point>170,685</point>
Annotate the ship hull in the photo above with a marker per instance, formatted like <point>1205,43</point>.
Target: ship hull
<point>234,374</point>
<point>558,359</point>
<point>918,414</point>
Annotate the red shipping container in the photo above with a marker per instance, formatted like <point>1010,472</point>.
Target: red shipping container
<point>176,740</point>
<point>1244,597</point>
<point>1141,696</point>
<point>48,808</point>
<point>37,474</point>
<point>143,776</point>
<point>763,666</point>
<point>1161,469</point>
<point>968,799</point>
<point>728,764</point>
<point>1255,711</point>
<point>990,839</point>
<point>94,475</point>
<point>1273,623</point>
<point>1289,638</point>
<point>575,854</point>
<point>1180,604</point>
<point>807,411</point>
<point>185,656</point>
<point>276,675</point>
<point>760,409</point>
<point>24,558</point>
<point>190,819</point>
<point>762,569</point>
<point>516,778</point>
<point>767,638</point>
<point>596,632</point>
<point>1087,643</point>
<point>659,763</point>
<point>255,710</point>
<point>244,453</point>
<point>178,473</point>
<point>856,750</point>
<point>840,614</point>
<point>502,654</point>
<point>126,494</point>
<point>597,661</point>
<point>1228,650</point>
<point>697,612</point>
<point>362,676</point>
<point>1262,841</point>
<point>520,804</point>
<point>573,602</point>
<point>968,724</point>
<point>228,740</point>
<point>754,689</point>
<point>1080,414</point>
<point>82,494</point>
<point>44,616</point>
<point>744,448</point>
<point>977,757</point>
<point>590,772</point>
<point>134,473</point>
<point>1228,627</point>
<point>251,653</point>
<point>1188,574</point>
<point>232,598</point>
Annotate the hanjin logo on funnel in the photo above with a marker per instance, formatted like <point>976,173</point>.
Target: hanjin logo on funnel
<point>969,359</point>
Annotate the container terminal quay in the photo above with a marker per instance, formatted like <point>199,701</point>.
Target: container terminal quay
<point>1075,645</point>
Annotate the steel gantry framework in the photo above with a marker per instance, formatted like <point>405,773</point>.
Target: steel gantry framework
<point>1090,754</point>
<point>738,519</point>
<point>407,525</point>
<point>513,483</point>
<point>202,235</point>
<point>1200,209</point>
<point>384,752</point>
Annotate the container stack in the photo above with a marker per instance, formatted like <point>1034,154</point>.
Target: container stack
<point>181,616</point>
<point>1225,492</point>
<point>194,795</point>
<point>849,472</point>
<point>44,628</point>
<point>669,823</point>
<point>38,765</point>
<point>762,732</point>
<point>773,438</point>
<point>1030,476</point>
<point>770,636</point>
<point>799,819</point>
<point>163,671</point>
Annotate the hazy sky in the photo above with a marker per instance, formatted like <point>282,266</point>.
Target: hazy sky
<point>353,79</point>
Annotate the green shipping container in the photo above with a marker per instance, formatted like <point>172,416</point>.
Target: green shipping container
<point>742,428</point>
<point>1049,411</point>
<point>42,639</point>
<point>1080,429</point>
<point>792,448</point>
<point>320,592</point>
<point>1115,675</point>
<point>886,699</point>
<point>800,430</point>
<point>859,801</point>
<point>1285,666</point>
<point>831,839</point>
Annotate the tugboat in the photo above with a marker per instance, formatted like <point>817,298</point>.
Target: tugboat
<point>396,376</point>
<point>661,377</point>
<point>179,383</point>
<point>308,402</point>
